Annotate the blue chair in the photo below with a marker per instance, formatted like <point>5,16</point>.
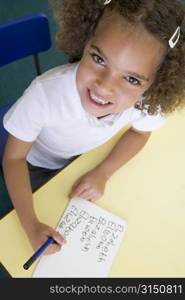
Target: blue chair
<point>25,36</point>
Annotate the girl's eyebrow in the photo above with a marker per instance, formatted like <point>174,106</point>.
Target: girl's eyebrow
<point>98,50</point>
<point>139,76</point>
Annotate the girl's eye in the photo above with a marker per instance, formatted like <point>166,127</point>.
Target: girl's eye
<point>97,59</point>
<point>133,80</point>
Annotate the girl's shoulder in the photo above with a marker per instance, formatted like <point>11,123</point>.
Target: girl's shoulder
<point>142,120</point>
<point>57,72</point>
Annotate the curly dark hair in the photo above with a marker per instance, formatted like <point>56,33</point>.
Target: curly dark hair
<point>78,20</point>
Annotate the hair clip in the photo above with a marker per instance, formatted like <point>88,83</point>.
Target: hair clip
<point>107,2</point>
<point>176,34</point>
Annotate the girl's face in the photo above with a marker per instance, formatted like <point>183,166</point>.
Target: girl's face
<point>118,65</point>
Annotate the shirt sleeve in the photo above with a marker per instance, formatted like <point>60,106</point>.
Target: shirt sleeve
<point>146,122</point>
<point>26,118</point>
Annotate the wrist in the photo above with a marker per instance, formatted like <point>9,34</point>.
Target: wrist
<point>104,171</point>
<point>30,223</point>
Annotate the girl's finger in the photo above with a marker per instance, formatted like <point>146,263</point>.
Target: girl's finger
<point>55,247</point>
<point>93,198</point>
<point>87,194</point>
<point>58,238</point>
<point>76,183</point>
<point>78,190</point>
<point>52,249</point>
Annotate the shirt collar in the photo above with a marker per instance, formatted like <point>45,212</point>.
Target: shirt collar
<point>106,121</point>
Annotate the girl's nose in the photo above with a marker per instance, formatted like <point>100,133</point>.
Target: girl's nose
<point>106,84</point>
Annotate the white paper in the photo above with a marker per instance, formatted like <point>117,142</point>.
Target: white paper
<point>93,237</point>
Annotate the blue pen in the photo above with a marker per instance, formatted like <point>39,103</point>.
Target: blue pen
<point>38,253</point>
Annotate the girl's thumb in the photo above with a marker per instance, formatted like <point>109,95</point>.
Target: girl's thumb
<point>58,238</point>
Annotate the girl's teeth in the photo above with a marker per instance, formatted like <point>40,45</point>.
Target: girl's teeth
<point>98,100</point>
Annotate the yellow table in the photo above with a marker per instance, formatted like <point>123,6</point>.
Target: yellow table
<point>148,192</point>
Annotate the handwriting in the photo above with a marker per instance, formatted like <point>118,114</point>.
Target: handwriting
<point>97,234</point>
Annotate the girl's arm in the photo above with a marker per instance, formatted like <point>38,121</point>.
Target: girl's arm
<point>17,179</point>
<point>91,185</point>
<point>130,143</point>
<point>19,188</point>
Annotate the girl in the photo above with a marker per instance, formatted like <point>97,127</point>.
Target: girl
<point>127,65</point>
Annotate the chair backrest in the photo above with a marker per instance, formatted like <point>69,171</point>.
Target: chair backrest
<point>19,38</point>
<point>24,36</point>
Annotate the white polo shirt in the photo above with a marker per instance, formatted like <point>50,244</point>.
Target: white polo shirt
<point>51,114</point>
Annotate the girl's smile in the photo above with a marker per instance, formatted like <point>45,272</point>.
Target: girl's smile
<point>98,101</point>
<point>118,65</point>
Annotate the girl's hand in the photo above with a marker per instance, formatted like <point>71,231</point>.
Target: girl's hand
<point>38,235</point>
<point>90,186</point>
